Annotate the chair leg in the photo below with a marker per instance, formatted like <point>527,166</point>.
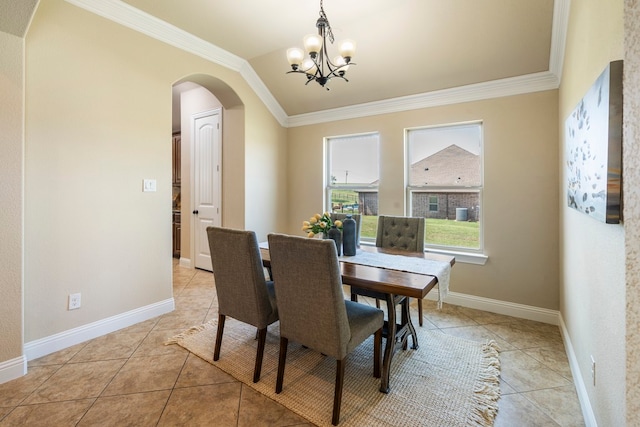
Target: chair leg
<point>262,337</point>
<point>377,303</point>
<point>284,342</point>
<point>216,351</point>
<point>377,353</point>
<point>337,397</point>
<point>354,297</point>
<point>420,311</point>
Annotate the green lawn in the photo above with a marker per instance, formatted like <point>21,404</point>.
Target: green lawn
<point>346,197</point>
<point>438,232</point>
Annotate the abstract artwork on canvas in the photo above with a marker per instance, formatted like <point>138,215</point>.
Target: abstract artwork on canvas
<point>593,134</point>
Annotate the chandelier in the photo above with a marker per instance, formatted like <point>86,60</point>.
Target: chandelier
<point>317,66</point>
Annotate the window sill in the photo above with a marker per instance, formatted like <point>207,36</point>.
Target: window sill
<point>461,256</point>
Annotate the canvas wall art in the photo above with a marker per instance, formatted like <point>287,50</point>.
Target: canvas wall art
<point>593,135</point>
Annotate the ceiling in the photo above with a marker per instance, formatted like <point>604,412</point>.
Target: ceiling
<point>411,52</point>
<point>404,47</point>
<point>15,16</point>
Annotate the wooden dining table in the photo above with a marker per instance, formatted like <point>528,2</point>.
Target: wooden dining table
<point>397,287</point>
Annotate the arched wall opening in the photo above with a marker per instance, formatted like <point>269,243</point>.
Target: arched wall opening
<point>197,93</point>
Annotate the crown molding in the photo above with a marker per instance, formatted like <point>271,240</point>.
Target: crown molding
<point>252,79</point>
<point>494,89</point>
<point>124,14</point>
<point>559,36</point>
<point>546,80</point>
<point>130,17</point>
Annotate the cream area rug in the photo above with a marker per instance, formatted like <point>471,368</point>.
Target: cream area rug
<point>447,381</point>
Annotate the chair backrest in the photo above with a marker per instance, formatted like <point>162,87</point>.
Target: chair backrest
<point>401,232</point>
<point>239,276</point>
<point>356,217</point>
<point>309,293</point>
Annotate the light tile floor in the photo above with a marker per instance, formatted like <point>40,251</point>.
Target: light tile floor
<point>130,377</point>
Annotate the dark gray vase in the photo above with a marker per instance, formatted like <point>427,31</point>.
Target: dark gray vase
<point>349,236</point>
<point>336,236</point>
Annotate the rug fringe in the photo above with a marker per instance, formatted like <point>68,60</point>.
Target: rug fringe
<point>487,389</point>
<point>191,331</point>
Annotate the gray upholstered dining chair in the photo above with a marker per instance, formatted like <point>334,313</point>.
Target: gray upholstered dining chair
<point>402,233</point>
<point>243,293</point>
<point>308,270</point>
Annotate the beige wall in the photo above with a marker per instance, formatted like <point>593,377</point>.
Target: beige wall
<point>266,191</point>
<point>11,168</point>
<point>98,121</point>
<point>592,256</point>
<point>631,160</point>
<point>520,209</point>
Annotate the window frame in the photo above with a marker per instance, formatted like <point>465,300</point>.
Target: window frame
<point>467,254</point>
<point>329,187</point>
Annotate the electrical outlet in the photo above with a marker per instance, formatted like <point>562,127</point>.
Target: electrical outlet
<point>74,301</point>
<point>593,370</point>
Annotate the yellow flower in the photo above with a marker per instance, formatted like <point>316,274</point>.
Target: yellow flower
<point>318,216</point>
<point>305,227</point>
<point>313,220</point>
<point>311,234</point>
<point>305,223</point>
<point>323,224</point>
<point>327,214</point>
<point>338,223</point>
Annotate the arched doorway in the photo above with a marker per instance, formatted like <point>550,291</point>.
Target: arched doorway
<point>194,95</point>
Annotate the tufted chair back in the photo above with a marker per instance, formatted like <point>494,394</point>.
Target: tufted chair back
<point>400,232</point>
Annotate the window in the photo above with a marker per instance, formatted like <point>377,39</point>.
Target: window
<point>444,184</point>
<point>433,204</point>
<point>353,171</point>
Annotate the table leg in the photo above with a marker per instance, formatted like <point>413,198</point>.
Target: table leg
<point>406,320</point>
<point>390,344</point>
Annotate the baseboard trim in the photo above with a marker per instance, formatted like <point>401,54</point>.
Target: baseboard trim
<point>62,340</point>
<point>185,262</point>
<point>12,369</point>
<point>500,307</point>
<point>581,389</point>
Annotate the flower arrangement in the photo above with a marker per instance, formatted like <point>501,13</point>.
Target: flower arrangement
<point>320,224</point>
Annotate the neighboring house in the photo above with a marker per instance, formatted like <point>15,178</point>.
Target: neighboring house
<point>368,202</point>
<point>451,166</point>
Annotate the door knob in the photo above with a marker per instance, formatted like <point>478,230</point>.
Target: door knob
<point>195,212</point>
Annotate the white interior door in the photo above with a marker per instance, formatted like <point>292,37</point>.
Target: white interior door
<point>207,149</point>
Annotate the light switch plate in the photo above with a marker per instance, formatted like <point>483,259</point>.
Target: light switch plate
<point>148,185</point>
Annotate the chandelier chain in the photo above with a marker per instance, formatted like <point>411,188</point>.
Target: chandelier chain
<point>323,15</point>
